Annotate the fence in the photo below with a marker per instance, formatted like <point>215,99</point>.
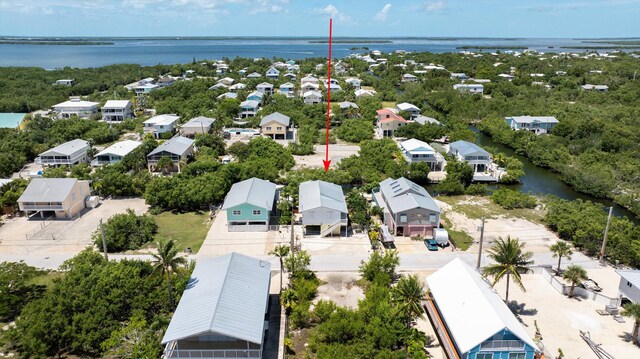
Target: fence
<point>43,225</point>
<point>577,291</point>
<point>43,234</point>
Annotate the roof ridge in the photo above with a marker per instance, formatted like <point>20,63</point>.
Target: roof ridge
<point>224,282</point>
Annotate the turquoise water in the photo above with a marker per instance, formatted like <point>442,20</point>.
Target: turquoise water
<point>11,120</point>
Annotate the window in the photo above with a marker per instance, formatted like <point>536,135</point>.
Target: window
<point>73,196</point>
<point>237,212</point>
<point>257,212</point>
<point>403,218</point>
<point>517,355</point>
<point>432,218</point>
<point>268,128</point>
<point>485,356</point>
<point>279,128</point>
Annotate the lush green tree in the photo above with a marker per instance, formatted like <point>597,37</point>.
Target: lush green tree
<point>380,268</point>
<point>165,164</point>
<point>561,249</point>
<point>408,296</point>
<point>136,339</point>
<point>16,288</point>
<point>510,260</point>
<point>575,275</point>
<point>632,310</point>
<point>355,130</point>
<point>281,251</point>
<point>126,231</point>
<point>358,207</point>
<point>167,262</point>
<point>510,199</point>
<point>10,192</point>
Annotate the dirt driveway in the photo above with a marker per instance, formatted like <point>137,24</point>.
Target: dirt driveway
<point>336,153</point>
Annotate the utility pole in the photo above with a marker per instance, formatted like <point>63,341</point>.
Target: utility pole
<point>606,232</point>
<point>104,242</point>
<point>292,244</point>
<point>480,249</point>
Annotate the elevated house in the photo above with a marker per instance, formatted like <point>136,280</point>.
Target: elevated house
<point>355,83</point>
<point>323,208</point>
<point>276,126</point>
<point>65,82</point>
<point>273,73</point>
<point>312,97</point>
<point>178,149</point>
<point>249,108</point>
<point>629,286</point>
<point>408,208</point>
<point>413,110</point>
<point>249,205</point>
<point>237,87</point>
<point>222,311</point>
<point>114,153</point>
<point>67,154</point>
<point>196,125</point>
<point>76,107</point>
<point>309,79</point>
<point>409,78</point>
<point>228,81</point>
<point>423,120</point>
<point>287,89</point>
<point>256,96</point>
<point>227,95</point>
<point>469,88</point>
<point>265,87</point>
<point>309,86</point>
<point>536,124</point>
<point>59,197</point>
<point>117,110</point>
<point>145,89</point>
<point>160,124</point>
<point>388,122</point>
<point>416,151</point>
<point>478,158</point>
<point>471,319</point>
<point>597,88</point>
<point>364,93</point>
<point>458,76</point>
<point>165,81</point>
<point>254,75</point>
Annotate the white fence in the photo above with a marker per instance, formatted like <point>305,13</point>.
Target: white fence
<point>577,291</point>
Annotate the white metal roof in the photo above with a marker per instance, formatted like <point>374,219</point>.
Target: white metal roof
<point>424,119</point>
<point>76,104</point>
<point>177,145</point>
<point>312,94</point>
<point>277,117</point>
<point>632,276</point>
<point>265,85</point>
<point>321,194</point>
<point>254,191</point>
<point>465,148</point>
<point>121,148</point>
<point>225,295</point>
<point>402,195</point>
<point>48,190</point>
<point>249,103</point>
<point>116,104</point>
<point>162,120</point>
<point>414,145</point>
<point>531,119</point>
<point>67,148</point>
<point>471,309</point>
<point>405,106</point>
<point>199,122</point>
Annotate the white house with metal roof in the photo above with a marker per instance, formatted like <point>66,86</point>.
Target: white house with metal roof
<point>196,125</point>
<point>273,73</point>
<point>536,124</point>
<point>423,120</point>
<point>117,110</point>
<point>249,205</point>
<point>323,208</point>
<point>114,153</point>
<point>413,110</point>
<point>157,125</point>
<point>312,97</point>
<point>249,108</point>
<point>179,149</point>
<point>76,107</point>
<point>276,126</point>
<point>61,197</point>
<point>408,208</point>
<point>416,151</point>
<point>474,155</point>
<point>67,154</point>
<point>265,87</point>
<point>287,89</point>
<point>468,311</point>
<point>469,88</point>
<point>629,287</point>
<point>222,311</point>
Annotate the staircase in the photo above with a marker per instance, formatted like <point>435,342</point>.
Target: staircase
<point>330,228</point>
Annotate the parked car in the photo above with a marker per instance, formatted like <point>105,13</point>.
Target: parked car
<point>432,245</point>
<point>591,285</point>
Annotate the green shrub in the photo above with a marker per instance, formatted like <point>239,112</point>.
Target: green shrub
<point>126,231</point>
<point>476,189</point>
<point>323,310</point>
<point>510,199</point>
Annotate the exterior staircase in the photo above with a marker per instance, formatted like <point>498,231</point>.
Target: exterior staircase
<point>328,229</point>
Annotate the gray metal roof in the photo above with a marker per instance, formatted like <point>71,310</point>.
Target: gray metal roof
<point>67,148</point>
<point>199,121</point>
<point>532,119</point>
<point>465,148</point>
<point>48,190</point>
<point>277,117</point>
<point>321,194</point>
<point>254,191</point>
<point>632,276</point>
<point>347,104</point>
<point>177,145</point>
<point>403,195</point>
<point>225,295</point>
<point>424,119</point>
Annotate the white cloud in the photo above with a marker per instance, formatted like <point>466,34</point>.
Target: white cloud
<point>384,13</point>
<point>334,13</point>
<point>435,6</point>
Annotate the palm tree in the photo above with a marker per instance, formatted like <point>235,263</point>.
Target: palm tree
<point>561,249</point>
<point>165,164</point>
<point>632,310</point>
<point>408,295</point>
<point>280,251</point>
<point>575,274</point>
<point>167,261</point>
<point>510,260</point>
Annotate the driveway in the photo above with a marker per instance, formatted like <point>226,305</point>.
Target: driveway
<point>336,153</point>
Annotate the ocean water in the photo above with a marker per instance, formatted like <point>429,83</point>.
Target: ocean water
<point>173,51</point>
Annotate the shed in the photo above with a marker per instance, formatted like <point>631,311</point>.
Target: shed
<point>441,236</point>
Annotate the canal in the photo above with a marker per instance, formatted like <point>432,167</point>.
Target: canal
<point>538,180</point>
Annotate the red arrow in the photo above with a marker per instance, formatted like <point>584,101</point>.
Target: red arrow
<point>327,162</point>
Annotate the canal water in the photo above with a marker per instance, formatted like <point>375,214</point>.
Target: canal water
<point>538,180</point>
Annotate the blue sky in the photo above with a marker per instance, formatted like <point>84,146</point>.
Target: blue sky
<point>471,18</point>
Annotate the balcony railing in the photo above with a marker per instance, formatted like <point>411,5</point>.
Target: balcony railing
<point>212,353</point>
<point>502,345</point>
<point>41,207</point>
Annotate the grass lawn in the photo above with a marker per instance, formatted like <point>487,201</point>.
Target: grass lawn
<point>461,240</point>
<point>476,207</point>
<point>188,229</point>
<point>47,278</point>
<point>388,104</point>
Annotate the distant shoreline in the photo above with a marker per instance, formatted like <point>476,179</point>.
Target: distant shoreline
<point>66,43</point>
<point>499,47</point>
<point>612,47</point>
<point>354,41</point>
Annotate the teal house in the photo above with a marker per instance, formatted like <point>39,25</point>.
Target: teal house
<point>471,320</point>
<point>249,205</point>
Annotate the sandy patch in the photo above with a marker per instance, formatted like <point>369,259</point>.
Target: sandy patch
<point>340,288</point>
